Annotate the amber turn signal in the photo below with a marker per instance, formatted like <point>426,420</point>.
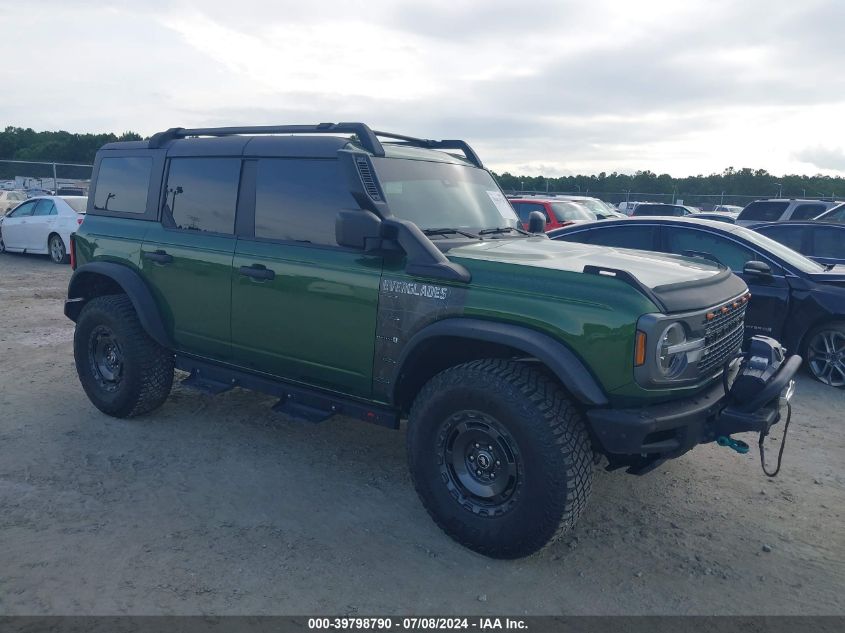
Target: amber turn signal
<point>639,349</point>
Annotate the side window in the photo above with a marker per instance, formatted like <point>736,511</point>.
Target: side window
<point>298,200</point>
<point>202,194</point>
<point>635,236</point>
<point>525,209</point>
<point>23,210</point>
<point>790,236</point>
<point>837,214</point>
<point>728,252</point>
<point>763,211</point>
<point>122,184</point>
<point>45,207</point>
<point>807,211</point>
<point>827,242</point>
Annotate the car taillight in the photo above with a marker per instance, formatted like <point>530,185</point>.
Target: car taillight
<point>79,221</point>
<point>73,251</point>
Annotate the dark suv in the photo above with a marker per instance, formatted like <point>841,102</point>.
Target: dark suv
<point>380,276</point>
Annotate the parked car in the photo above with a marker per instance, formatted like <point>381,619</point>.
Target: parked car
<point>37,192</point>
<point>43,225</point>
<point>780,210</point>
<point>727,208</point>
<point>600,209</point>
<point>70,191</point>
<point>376,276</point>
<point>834,214</point>
<point>730,218</point>
<point>10,199</point>
<point>662,209</point>
<point>794,299</point>
<point>823,242</point>
<point>557,212</point>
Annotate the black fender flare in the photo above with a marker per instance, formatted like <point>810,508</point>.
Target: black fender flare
<point>561,360</point>
<point>134,287</point>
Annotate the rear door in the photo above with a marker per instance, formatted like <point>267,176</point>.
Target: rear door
<point>303,308</point>
<point>187,256</point>
<point>42,223</point>
<point>769,295</point>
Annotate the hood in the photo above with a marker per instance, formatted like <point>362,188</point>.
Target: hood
<point>674,282</point>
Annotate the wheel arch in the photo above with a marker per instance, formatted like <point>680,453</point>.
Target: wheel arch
<point>452,341</point>
<point>104,278</point>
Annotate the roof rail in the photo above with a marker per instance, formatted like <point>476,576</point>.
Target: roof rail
<point>367,137</point>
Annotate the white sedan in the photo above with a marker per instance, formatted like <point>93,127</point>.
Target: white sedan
<point>43,225</point>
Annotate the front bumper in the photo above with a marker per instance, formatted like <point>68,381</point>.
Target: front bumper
<point>657,432</point>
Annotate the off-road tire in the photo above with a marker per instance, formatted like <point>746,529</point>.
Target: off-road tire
<point>552,444</point>
<point>834,331</point>
<point>146,368</point>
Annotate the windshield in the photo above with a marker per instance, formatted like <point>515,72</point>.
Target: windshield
<point>571,211</point>
<point>442,195</point>
<point>78,204</point>
<point>779,250</point>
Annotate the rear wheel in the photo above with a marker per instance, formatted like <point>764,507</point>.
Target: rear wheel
<point>122,370</point>
<point>825,353</point>
<point>499,456</point>
<point>56,248</point>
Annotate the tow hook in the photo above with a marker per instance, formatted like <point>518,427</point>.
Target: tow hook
<point>738,445</point>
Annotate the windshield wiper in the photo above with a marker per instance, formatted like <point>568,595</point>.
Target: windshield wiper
<point>503,229</point>
<point>446,231</point>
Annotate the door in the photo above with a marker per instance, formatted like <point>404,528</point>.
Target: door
<point>769,294</point>
<point>187,257</point>
<point>15,226</point>
<point>40,225</point>
<point>303,308</point>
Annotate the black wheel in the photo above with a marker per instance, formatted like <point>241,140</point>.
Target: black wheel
<point>122,370</point>
<point>56,248</point>
<point>825,353</point>
<point>499,456</point>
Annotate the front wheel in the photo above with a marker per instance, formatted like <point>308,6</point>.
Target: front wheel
<point>56,247</point>
<point>825,353</point>
<point>500,457</point>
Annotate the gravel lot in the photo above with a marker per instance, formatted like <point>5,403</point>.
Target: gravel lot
<point>217,505</point>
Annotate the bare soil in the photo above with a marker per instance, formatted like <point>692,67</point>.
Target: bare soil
<point>217,505</point>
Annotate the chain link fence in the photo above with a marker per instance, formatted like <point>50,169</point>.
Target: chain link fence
<point>54,177</point>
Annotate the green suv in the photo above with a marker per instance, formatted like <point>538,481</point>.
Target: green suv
<point>384,277</point>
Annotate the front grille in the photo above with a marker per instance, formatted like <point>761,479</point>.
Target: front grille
<point>723,336</point>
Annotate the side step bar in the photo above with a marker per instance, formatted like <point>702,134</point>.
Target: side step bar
<point>298,401</point>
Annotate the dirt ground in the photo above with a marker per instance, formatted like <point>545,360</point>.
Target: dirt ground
<point>216,505</point>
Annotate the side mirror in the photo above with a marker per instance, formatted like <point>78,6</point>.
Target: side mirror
<point>358,229</point>
<point>757,269</point>
<point>536,222</point>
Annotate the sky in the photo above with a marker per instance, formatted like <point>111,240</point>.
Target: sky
<point>537,87</point>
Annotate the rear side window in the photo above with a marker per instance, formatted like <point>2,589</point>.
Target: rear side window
<point>122,184</point>
<point>807,211</point>
<point>202,194</point>
<point>763,211</point>
<point>789,236</point>
<point>298,200</point>
<point>634,236</point>
<point>45,207</point>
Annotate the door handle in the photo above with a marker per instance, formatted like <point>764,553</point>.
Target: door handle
<point>159,257</point>
<point>257,271</point>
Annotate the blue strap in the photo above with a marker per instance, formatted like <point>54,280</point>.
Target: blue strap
<point>738,445</point>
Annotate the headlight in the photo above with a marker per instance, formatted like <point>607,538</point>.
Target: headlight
<point>671,354</point>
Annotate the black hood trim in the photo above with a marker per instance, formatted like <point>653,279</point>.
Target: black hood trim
<point>698,294</point>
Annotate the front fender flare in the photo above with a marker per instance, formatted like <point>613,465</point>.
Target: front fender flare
<point>134,287</point>
<point>561,360</point>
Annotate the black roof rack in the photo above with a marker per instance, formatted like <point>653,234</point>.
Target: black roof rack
<point>366,137</point>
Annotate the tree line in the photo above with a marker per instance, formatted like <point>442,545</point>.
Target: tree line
<point>67,147</point>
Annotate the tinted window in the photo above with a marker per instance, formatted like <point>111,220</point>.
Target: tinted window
<point>525,208</point>
<point>657,210</point>
<point>45,207</point>
<point>787,235</point>
<point>828,242</point>
<point>693,241</point>
<point>807,211</point>
<point>122,184</point>
<point>23,210</point>
<point>763,210</point>
<point>836,214</point>
<point>202,194</point>
<point>298,200</point>
<point>628,236</point>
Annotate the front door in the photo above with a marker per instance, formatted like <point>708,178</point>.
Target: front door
<point>187,256</point>
<point>303,308</point>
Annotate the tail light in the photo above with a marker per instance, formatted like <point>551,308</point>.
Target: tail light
<point>79,221</point>
<point>73,251</point>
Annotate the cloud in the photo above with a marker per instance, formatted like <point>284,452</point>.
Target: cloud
<point>825,158</point>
